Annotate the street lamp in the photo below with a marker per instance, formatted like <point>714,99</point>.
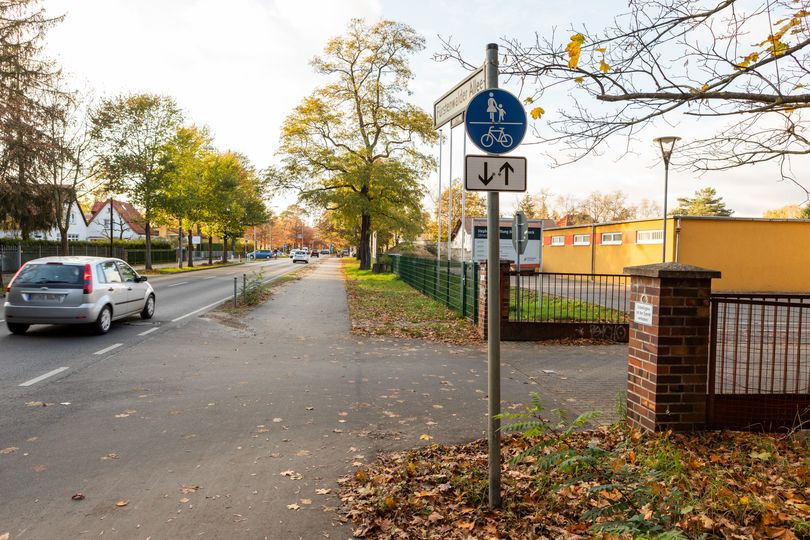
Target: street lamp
<point>667,145</point>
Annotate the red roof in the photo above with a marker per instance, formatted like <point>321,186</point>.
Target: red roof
<point>128,213</point>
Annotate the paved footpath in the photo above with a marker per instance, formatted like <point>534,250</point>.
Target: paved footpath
<point>213,430</point>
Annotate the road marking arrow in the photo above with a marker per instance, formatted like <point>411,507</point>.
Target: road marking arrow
<point>487,177</point>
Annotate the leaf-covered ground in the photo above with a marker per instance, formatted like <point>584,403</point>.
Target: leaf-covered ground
<point>727,485</point>
<point>382,305</point>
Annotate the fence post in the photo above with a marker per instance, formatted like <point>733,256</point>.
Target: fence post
<point>668,353</point>
<point>244,288</point>
<point>447,286</point>
<point>463,289</point>
<point>19,256</point>
<point>235,279</point>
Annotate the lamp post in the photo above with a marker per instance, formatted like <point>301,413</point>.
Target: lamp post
<point>667,145</point>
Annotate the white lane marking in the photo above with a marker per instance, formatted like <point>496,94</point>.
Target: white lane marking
<point>35,380</point>
<point>148,331</point>
<point>211,277</point>
<point>189,314</point>
<point>2,320</point>
<point>108,349</point>
<point>176,284</point>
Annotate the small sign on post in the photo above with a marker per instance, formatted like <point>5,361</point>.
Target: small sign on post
<point>643,313</point>
<point>494,173</point>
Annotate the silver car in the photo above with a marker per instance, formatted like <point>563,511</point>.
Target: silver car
<point>76,290</point>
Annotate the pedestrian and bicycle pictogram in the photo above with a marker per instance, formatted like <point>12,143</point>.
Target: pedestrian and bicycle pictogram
<point>496,121</point>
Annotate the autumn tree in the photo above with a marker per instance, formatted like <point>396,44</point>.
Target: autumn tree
<point>132,134</point>
<point>68,159</point>
<point>791,211</point>
<point>537,205</point>
<point>704,203</point>
<point>474,206</point>
<point>741,64</point>
<point>352,146</point>
<point>603,207</point>
<point>184,195</point>
<point>27,82</point>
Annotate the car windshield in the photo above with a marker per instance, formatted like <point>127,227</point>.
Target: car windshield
<point>51,274</point>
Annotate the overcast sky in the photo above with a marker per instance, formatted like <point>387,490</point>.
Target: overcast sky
<point>240,66</point>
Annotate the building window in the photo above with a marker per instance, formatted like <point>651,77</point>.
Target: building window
<point>650,237</point>
<point>611,239</point>
<point>582,239</point>
<point>73,237</point>
<point>558,240</point>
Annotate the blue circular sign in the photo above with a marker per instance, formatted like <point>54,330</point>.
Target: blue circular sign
<point>496,121</point>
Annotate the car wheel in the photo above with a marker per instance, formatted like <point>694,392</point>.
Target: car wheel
<point>104,321</point>
<point>148,308</point>
<point>17,328</point>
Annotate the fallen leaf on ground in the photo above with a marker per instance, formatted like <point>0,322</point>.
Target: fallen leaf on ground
<point>262,429</point>
<point>425,437</point>
<point>291,474</point>
<point>293,506</point>
<point>111,455</point>
<point>40,468</point>
<point>184,500</point>
<point>9,450</point>
<point>306,501</point>
<point>323,491</point>
<point>5,536</point>
<point>36,404</point>
<point>190,488</point>
<point>78,496</point>
<point>277,420</point>
<point>122,503</point>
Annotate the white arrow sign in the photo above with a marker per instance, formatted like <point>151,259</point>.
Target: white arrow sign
<point>493,173</point>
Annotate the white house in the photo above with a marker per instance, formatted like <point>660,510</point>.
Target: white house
<point>127,222</point>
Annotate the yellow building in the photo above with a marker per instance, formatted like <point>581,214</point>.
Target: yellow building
<point>766,255</point>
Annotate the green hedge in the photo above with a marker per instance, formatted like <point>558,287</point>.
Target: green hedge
<point>126,244</point>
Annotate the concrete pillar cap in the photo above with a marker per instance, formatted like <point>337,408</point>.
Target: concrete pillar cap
<point>671,270</point>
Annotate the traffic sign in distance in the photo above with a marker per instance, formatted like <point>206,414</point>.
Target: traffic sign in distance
<point>520,232</point>
<point>496,121</point>
<point>494,173</point>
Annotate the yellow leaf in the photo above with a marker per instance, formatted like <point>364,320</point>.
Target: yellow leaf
<point>425,437</point>
<point>122,503</point>
<point>390,502</point>
<point>799,85</point>
<point>604,67</point>
<point>537,112</point>
<point>600,49</point>
<point>360,475</point>
<point>411,469</point>
<point>744,500</point>
<point>529,100</point>
<point>579,80</point>
<point>574,49</point>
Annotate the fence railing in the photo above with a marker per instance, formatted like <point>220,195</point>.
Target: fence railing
<point>12,257</point>
<point>759,363</point>
<point>559,297</point>
<point>453,283</point>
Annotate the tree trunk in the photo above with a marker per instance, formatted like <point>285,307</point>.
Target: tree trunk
<point>233,246</point>
<point>190,247</point>
<point>147,255</point>
<point>210,249</point>
<point>64,239</point>
<point>364,249</point>
<point>224,249</point>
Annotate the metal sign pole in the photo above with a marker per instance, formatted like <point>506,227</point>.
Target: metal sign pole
<point>450,202</point>
<point>493,314</point>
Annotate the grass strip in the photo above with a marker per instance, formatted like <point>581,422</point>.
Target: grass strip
<point>383,305</point>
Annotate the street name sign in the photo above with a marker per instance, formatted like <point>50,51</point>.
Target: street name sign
<point>496,121</point>
<point>494,173</point>
<point>453,103</point>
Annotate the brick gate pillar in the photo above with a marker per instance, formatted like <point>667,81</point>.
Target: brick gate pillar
<point>482,296</point>
<point>667,371</point>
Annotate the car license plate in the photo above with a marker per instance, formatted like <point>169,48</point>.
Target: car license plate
<point>46,297</point>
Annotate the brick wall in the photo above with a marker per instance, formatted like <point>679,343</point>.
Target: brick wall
<point>668,359</point>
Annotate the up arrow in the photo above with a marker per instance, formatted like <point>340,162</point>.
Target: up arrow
<point>487,178</point>
<point>506,168</point>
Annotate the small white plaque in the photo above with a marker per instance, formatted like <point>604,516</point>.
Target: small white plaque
<point>643,313</point>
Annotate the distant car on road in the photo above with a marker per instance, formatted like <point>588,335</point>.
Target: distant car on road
<point>314,253</point>
<point>76,290</point>
<point>299,255</point>
<point>260,254</point>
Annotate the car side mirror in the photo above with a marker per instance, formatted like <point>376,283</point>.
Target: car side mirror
<point>142,278</point>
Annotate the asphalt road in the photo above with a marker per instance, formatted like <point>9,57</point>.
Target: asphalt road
<point>45,349</point>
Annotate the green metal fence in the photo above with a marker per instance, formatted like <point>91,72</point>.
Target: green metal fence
<point>453,283</point>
